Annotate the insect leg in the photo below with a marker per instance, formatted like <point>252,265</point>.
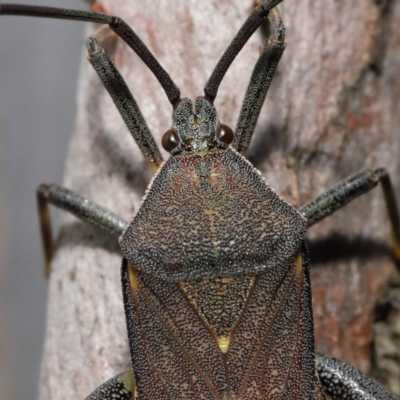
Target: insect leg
<point>121,387</point>
<point>341,381</point>
<point>259,82</point>
<point>124,101</point>
<point>350,188</point>
<point>253,21</point>
<point>82,208</point>
<point>121,28</point>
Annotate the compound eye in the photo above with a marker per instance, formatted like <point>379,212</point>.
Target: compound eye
<point>225,134</point>
<point>170,140</point>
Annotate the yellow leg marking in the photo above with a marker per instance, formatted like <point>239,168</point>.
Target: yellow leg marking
<point>128,379</point>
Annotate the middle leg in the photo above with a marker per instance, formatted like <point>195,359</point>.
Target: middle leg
<point>350,188</point>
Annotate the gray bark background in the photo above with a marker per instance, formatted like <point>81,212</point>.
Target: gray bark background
<point>331,111</point>
<point>39,63</point>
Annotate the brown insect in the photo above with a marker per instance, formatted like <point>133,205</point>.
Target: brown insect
<point>219,305</point>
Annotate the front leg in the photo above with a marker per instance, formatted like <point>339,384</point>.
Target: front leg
<point>119,387</point>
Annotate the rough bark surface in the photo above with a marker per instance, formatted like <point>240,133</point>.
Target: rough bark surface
<point>331,111</point>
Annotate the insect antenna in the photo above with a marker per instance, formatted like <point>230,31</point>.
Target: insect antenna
<point>251,24</point>
<point>120,27</point>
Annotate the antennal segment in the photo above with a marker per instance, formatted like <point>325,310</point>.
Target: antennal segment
<point>120,27</point>
<point>251,24</point>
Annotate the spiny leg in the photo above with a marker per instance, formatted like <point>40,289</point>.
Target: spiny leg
<point>120,387</point>
<point>253,21</point>
<point>124,31</point>
<point>259,83</point>
<point>350,188</point>
<point>124,101</point>
<point>341,381</point>
<point>84,209</point>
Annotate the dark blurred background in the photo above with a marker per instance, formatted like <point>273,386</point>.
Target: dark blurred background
<point>39,69</point>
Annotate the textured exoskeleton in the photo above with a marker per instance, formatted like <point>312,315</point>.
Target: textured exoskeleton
<point>215,275</point>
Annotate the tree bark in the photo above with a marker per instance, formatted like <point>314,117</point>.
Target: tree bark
<point>332,110</point>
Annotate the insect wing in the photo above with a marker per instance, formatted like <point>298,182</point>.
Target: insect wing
<point>271,355</point>
<point>176,349</point>
<point>173,355</point>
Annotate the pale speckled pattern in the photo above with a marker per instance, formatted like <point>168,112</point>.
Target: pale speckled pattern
<point>196,126</point>
<point>174,355</point>
<point>124,101</point>
<point>219,302</point>
<point>260,81</point>
<point>114,389</point>
<point>95,345</point>
<point>222,220</point>
<point>342,381</point>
